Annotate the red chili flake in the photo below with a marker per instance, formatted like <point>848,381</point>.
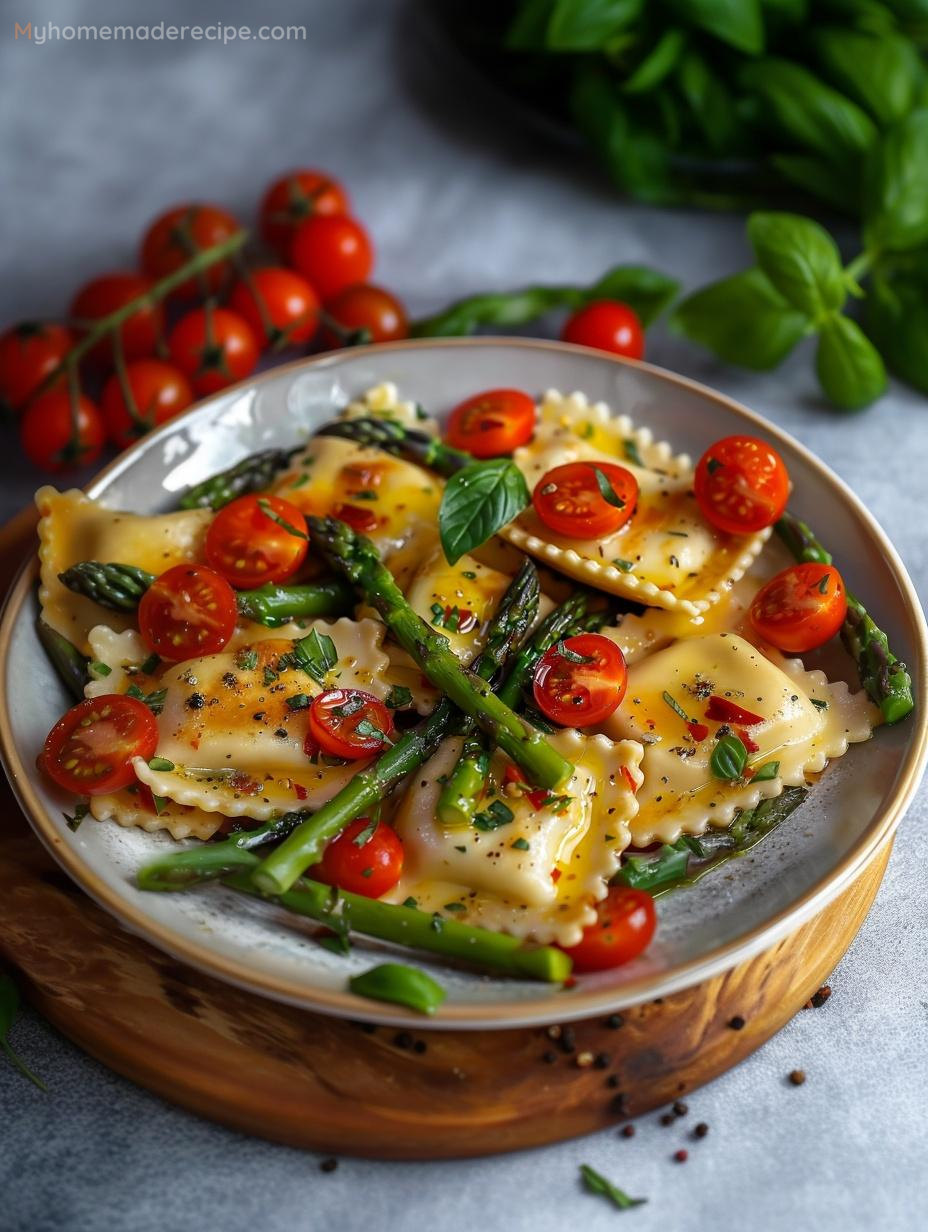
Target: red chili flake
<point>310,747</point>
<point>724,711</point>
<point>300,791</point>
<point>570,982</point>
<point>244,783</point>
<point>512,774</point>
<point>555,875</point>
<point>537,798</point>
<point>751,745</point>
<point>630,780</point>
<point>365,521</point>
<point>698,731</point>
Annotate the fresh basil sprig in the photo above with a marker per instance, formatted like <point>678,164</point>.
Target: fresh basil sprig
<point>9,1007</point>
<point>729,757</point>
<point>477,502</point>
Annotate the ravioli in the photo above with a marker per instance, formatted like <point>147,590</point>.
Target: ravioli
<point>383,402</point>
<point>805,722</point>
<point>230,739</point>
<point>666,555</point>
<point>129,809</point>
<point>457,599</point>
<point>72,528</point>
<point>540,874</point>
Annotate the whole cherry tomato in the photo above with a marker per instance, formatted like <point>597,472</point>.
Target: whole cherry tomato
<point>140,334</point>
<point>214,348</point>
<point>159,391</point>
<point>58,436</point>
<point>257,539</point>
<point>333,252</point>
<point>623,930</point>
<point>188,611</point>
<point>801,608</point>
<point>349,723</point>
<point>179,234</point>
<point>364,313</point>
<point>90,749</point>
<point>279,305</point>
<point>581,680</point>
<point>29,353</point>
<point>366,858</point>
<point>570,499</point>
<point>495,422</point>
<point>607,325</point>
<point>741,485</point>
<point>292,199</point>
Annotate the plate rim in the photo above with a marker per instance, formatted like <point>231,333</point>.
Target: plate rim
<point>548,1007</point>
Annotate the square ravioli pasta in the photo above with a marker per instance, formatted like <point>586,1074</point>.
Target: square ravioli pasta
<point>667,555</point>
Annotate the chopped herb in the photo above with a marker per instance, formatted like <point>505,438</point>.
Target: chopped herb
<point>681,534</point>
<point>452,619</point>
<point>587,431</point>
<point>469,574</point>
<point>571,655</point>
<point>316,655</point>
<point>597,1184</point>
<point>399,697</point>
<point>268,510</point>
<point>81,809</point>
<point>100,669</point>
<point>521,844</point>
<point>300,480</point>
<point>625,565</point>
<point>712,465</point>
<point>370,731</point>
<point>769,770</point>
<point>247,660</point>
<point>410,902</point>
<point>455,907</point>
<point>270,675</point>
<point>438,615</point>
<point>461,849</point>
<point>675,706</point>
<point>365,494</point>
<point>160,763</point>
<point>606,490</point>
<point>351,706</point>
<point>365,835</point>
<point>160,803</point>
<point>150,665</point>
<point>729,758</point>
<point>498,814</point>
<point>632,452</point>
<point>154,701</point>
<point>9,1005</point>
<point>557,804</point>
<point>819,703</point>
<point>823,584</point>
<point>367,872</point>
<point>299,701</point>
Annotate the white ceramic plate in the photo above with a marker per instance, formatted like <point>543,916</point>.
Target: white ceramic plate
<point>795,872</point>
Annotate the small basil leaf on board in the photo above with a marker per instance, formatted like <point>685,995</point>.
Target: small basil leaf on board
<point>849,367</point>
<point>399,985</point>
<point>736,22</point>
<point>9,1007</point>
<point>896,187</point>
<point>657,63</point>
<point>897,321</point>
<point>597,1184</point>
<point>646,291</point>
<point>729,757</point>
<point>801,260</point>
<point>477,502</point>
<point>743,319</point>
<point>881,71</point>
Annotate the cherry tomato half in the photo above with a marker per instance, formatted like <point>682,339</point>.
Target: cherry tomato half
<point>294,198</point>
<point>159,391</point>
<point>248,543</point>
<point>213,347</point>
<point>189,610</point>
<point>623,930</point>
<point>179,234</point>
<point>349,723</point>
<point>581,680</point>
<point>140,334</point>
<point>90,749</point>
<point>570,502</point>
<point>801,608</point>
<point>333,252</point>
<point>741,485</point>
<point>607,325</point>
<point>57,436</point>
<point>495,422</point>
<point>364,313</point>
<point>364,859</point>
<point>279,305</point>
<point>29,353</point>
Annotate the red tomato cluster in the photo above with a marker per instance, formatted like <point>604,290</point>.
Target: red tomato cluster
<point>207,331</point>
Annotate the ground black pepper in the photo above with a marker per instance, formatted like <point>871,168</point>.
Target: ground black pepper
<point>403,1040</point>
<point>680,1108</point>
<point>328,1165</point>
<point>700,1130</point>
<point>420,1046</point>
<point>549,1057</point>
<point>602,1060</point>
<point>614,1021</point>
<point>736,1023</point>
<point>618,1104</point>
<point>668,1118</point>
<point>627,1131</point>
<point>613,1081</point>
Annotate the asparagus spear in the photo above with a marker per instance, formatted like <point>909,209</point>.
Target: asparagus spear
<point>371,785</point>
<point>689,859</point>
<point>403,442</point>
<point>252,474</point>
<point>65,657</point>
<point>882,675</point>
<point>120,587</point>
<point>420,930</point>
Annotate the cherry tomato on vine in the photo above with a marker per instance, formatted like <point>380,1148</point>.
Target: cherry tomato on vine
<point>625,924</point>
<point>56,437</point>
<point>295,197</point>
<point>607,325</point>
<point>29,353</point>
<point>89,750</point>
<point>349,723</point>
<point>159,391</point>
<point>364,313</point>
<point>332,251</point>
<point>189,610</point>
<point>741,485</point>
<point>801,608</point>
<point>179,234</point>
<point>279,305</point>
<point>492,423</point>
<point>569,499</point>
<point>366,858</point>
<point>140,334</point>
<point>257,539</point>
<point>581,680</point>
<point>213,347</point>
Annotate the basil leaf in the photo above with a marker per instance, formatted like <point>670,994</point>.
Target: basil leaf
<point>801,260</point>
<point>743,319</point>
<point>477,502</point>
<point>897,321</point>
<point>9,1007</point>
<point>269,512</point>
<point>736,22</point>
<point>646,291</point>
<point>849,367</point>
<point>399,697</point>
<point>316,655</point>
<point>881,72</point>
<point>606,490</point>
<point>587,25</point>
<point>657,64</point>
<point>813,175</point>
<point>729,757</point>
<point>896,187</point>
<point>709,101</point>
<point>161,764</point>
<point>399,985</point>
<point>597,1184</point>
<point>769,770</point>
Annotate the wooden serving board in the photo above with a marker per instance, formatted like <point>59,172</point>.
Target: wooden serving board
<point>339,1087</point>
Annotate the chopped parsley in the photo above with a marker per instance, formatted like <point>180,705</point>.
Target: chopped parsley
<point>606,490</point>
<point>160,763</point>
<point>100,669</point>
<point>399,697</point>
<point>498,814</point>
<point>571,655</point>
<point>632,452</point>
<point>625,565</point>
<point>819,703</point>
<point>299,701</point>
<point>521,844</point>
<point>315,654</point>
<point>268,510</point>
<point>154,701</point>
<point>81,809</point>
<point>247,660</point>
<point>598,1184</point>
<point>363,837</point>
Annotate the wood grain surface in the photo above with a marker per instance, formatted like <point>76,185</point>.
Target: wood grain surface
<point>342,1087</point>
